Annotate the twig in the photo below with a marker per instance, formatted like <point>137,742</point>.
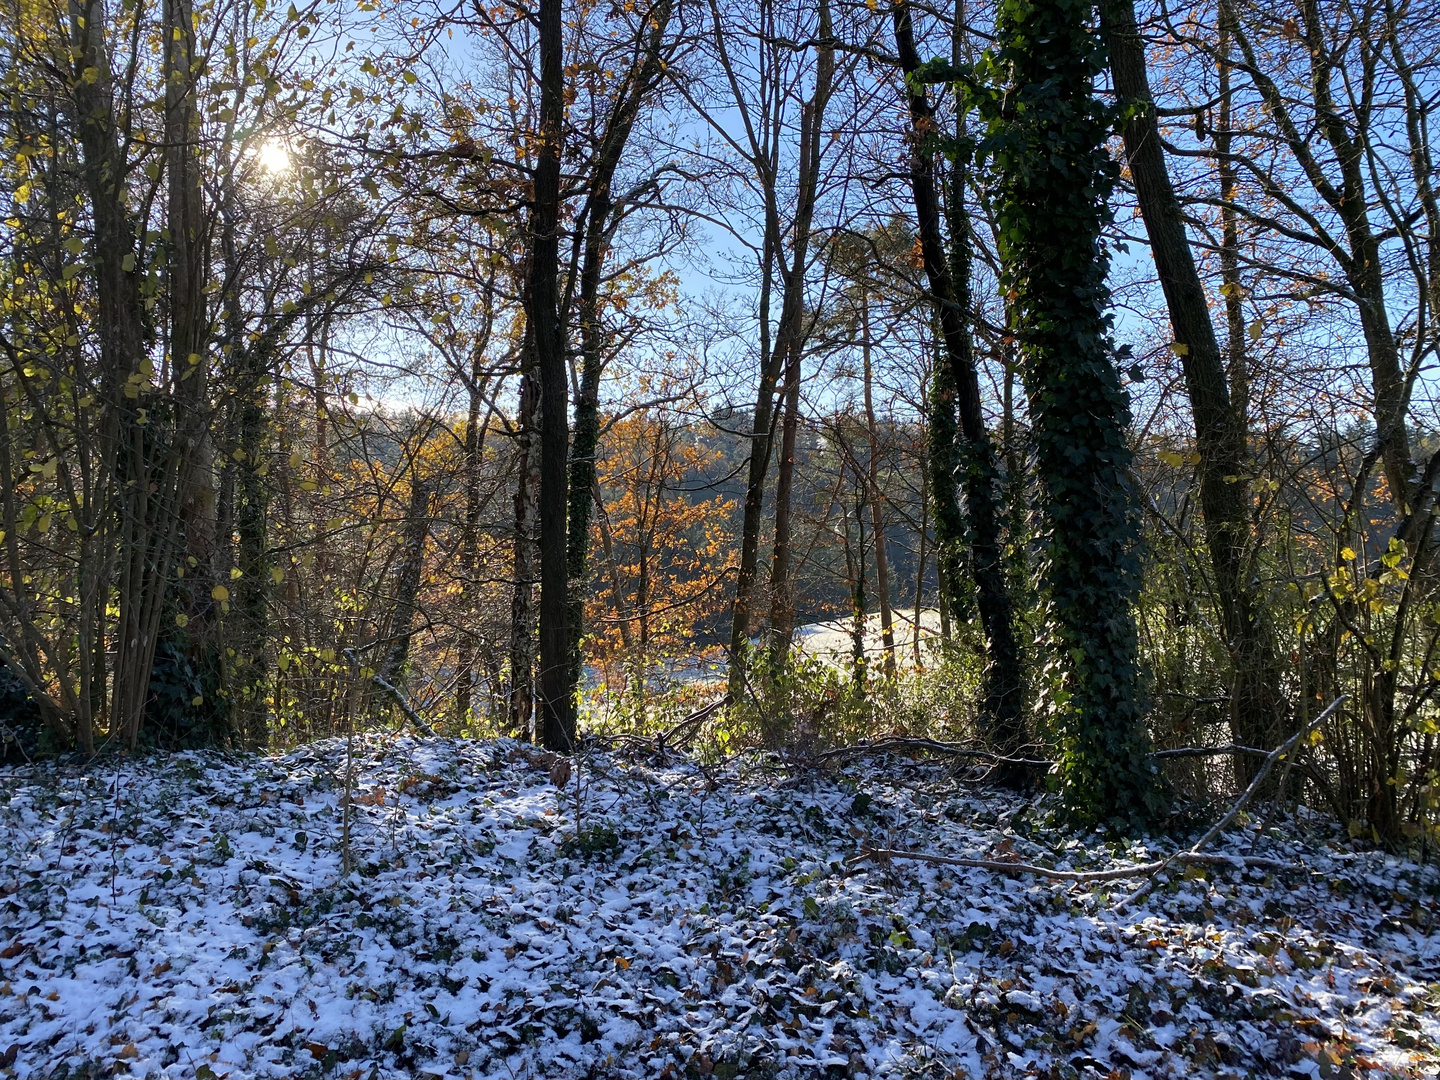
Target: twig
<point>396,696</point>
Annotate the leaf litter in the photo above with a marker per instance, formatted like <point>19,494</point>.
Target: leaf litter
<point>187,916</point>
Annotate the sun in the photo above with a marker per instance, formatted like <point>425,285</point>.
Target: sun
<point>273,156</point>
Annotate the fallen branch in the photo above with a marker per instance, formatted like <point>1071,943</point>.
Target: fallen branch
<point>1211,751</point>
<point>881,746</point>
<point>901,743</point>
<point>1245,797</point>
<point>689,725</point>
<point>1114,873</point>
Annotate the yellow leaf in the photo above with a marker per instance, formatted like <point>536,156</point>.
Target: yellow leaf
<point>1256,330</point>
<point>1170,457</point>
<point>277,574</point>
<point>182,620</point>
<point>220,592</point>
<point>1347,554</point>
<point>1179,348</point>
<point>197,700</point>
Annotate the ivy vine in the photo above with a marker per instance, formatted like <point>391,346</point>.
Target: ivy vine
<point>1043,145</point>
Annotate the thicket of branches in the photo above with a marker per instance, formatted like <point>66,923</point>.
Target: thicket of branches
<point>474,366</point>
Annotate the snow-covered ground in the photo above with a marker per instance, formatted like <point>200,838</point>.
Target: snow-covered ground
<point>188,917</point>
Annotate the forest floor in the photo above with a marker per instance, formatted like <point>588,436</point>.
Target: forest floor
<point>188,917</point>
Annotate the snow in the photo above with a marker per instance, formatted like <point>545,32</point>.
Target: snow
<point>188,917</point>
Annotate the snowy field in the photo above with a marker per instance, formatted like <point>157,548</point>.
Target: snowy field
<point>832,642</point>
<point>188,918</point>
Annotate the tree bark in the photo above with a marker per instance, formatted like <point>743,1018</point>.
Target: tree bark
<point>1256,703</point>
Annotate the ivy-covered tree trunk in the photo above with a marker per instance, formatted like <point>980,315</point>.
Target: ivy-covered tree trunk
<point>1046,140</point>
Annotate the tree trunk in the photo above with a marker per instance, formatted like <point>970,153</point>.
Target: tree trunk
<point>920,561</point>
<point>522,599</point>
<point>761,434</point>
<point>1256,703</point>
<point>251,601</point>
<point>790,340</point>
<point>407,580</point>
<point>189,364</point>
<point>144,540</point>
<point>557,715</point>
<point>600,223</point>
<point>940,436</point>
<point>1230,287</point>
<point>855,570</point>
<point>1002,696</point>
<point>877,514</point>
